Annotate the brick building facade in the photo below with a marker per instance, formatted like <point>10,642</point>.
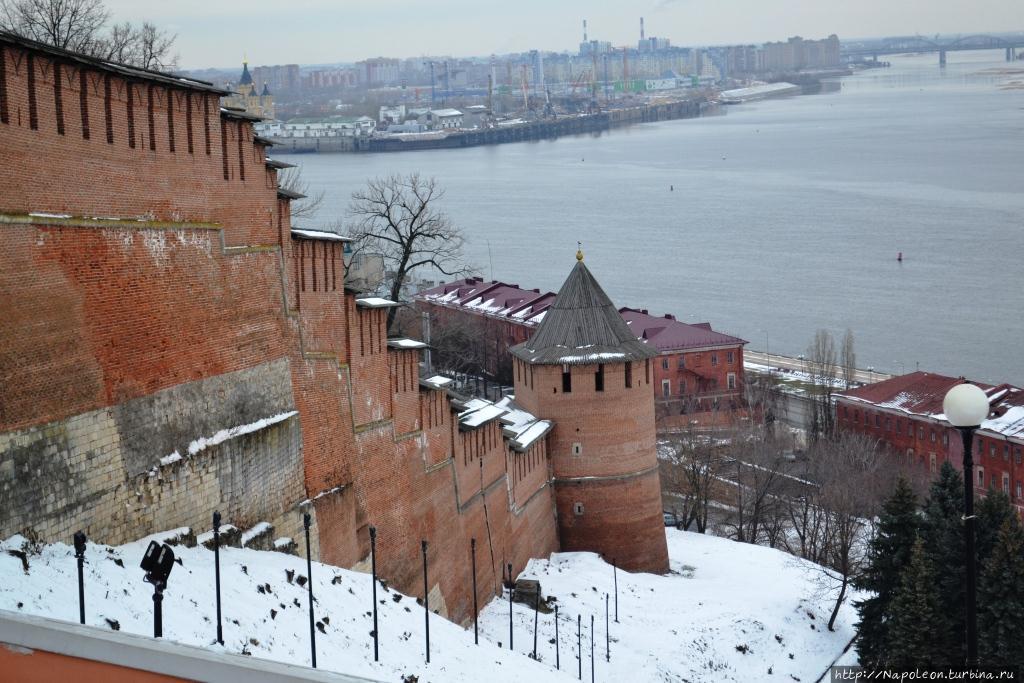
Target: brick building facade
<point>698,370</point>
<point>906,413</point>
<point>173,345</point>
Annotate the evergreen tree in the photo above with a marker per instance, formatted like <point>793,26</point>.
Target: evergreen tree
<point>942,532</point>
<point>992,511</point>
<point>911,642</point>
<point>888,554</point>
<point>1001,600</point>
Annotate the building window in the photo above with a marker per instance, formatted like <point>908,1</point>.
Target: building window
<point>1016,455</point>
<point>991,450</point>
<point>666,388</point>
<point>1020,489</point>
<point>920,432</point>
<point>682,361</point>
<point>1006,483</point>
<point>888,424</point>
<point>1006,452</point>
<point>664,363</point>
<point>599,378</point>
<point>682,387</point>
<point>629,375</point>
<point>577,448</point>
<point>933,435</point>
<point>931,462</point>
<point>945,439</point>
<point>846,413</point>
<point>899,426</point>
<point>731,380</point>
<point>981,476</point>
<point>878,420</point>
<point>730,357</point>
<point>566,379</point>
<point>714,359</point>
<point>910,455</point>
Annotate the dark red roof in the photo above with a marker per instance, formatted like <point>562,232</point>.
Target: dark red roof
<point>668,334</point>
<point>529,306</point>
<point>916,392</point>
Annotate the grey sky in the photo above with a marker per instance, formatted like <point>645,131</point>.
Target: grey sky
<point>219,33</point>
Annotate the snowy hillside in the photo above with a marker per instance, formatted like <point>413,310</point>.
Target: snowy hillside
<point>728,612</point>
<point>265,614</point>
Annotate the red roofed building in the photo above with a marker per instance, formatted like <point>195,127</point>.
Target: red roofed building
<point>697,369</point>
<point>906,413</point>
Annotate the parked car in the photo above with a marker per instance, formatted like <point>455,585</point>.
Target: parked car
<point>671,519</point>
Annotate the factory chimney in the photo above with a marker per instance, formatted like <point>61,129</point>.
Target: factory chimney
<point>584,30</point>
<point>641,28</point>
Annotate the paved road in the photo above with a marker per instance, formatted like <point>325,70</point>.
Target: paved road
<point>863,376</point>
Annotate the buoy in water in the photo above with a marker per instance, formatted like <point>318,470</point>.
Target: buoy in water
<point>671,188</point>
<point>899,257</point>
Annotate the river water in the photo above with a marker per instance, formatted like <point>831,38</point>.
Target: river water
<point>786,215</point>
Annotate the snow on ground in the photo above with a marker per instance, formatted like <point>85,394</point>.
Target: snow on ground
<point>265,614</point>
<point>727,612</point>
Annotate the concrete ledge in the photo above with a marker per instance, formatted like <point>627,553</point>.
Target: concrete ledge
<point>25,636</point>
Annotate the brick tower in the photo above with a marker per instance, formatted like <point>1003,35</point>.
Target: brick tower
<point>586,371</point>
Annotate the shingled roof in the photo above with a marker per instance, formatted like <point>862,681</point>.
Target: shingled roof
<point>581,327</point>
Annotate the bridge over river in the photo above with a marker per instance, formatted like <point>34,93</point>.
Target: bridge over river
<point>919,44</point>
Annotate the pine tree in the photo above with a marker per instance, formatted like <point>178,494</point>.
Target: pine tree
<point>942,532</point>
<point>1001,600</point>
<point>888,554</point>
<point>915,606</point>
<point>993,511</point>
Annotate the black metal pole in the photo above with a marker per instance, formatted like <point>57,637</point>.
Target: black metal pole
<point>216,572</point>
<point>536,613</point>
<point>306,521</point>
<point>80,559</point>
<point>510,587</point>
<point>476,609</point>
<point>615,575</point>
<point>591,648</point>
<point>969,525</point>
<point>579,644</point>
<point>607,636</point>
<point>558,659</point>
<point>158,612</point>
<point>426,599</point>
<point>373,573</point>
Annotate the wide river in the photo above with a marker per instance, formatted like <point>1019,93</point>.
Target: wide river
<point>786,215</point>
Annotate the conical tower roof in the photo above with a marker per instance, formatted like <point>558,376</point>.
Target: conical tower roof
<point>266,91</point>
<point>581,327</point>
<point>246,78</point>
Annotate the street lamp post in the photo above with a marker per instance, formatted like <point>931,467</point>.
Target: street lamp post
<point>966,407</point>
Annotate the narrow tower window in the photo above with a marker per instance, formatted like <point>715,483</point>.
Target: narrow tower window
<point>566,380</point>
<point>629,375</point>
<point>599,378</point>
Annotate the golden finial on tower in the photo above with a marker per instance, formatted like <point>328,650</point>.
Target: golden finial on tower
<point>579,251</point>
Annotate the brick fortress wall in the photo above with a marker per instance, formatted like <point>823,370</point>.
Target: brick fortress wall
<point>153,296</point>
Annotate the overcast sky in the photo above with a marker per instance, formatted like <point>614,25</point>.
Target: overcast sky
<point>217,33</point>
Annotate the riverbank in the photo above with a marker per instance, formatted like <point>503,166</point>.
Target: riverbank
<point>518,131</point>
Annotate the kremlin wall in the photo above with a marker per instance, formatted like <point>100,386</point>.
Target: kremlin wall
<point>172,345</point>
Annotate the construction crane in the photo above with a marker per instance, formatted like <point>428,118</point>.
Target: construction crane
<point>526,97</point>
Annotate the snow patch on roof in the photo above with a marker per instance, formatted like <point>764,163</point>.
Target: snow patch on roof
<point>375,302</point>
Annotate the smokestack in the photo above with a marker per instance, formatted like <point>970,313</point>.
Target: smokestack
<point>584,30</point>
<point>641,28</point>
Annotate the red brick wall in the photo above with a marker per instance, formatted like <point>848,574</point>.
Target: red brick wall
<point>98,312</point>
<point>930,443</point>
<point>703,375</point>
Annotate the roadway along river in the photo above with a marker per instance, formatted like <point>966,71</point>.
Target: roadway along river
<point>786,216</point>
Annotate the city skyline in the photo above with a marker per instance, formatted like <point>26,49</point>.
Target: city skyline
<point>319,32</point>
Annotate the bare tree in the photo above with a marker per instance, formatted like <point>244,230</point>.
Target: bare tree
<point>291,179</point>
<point>398,217</point>
<point>848,359</point>
<point>764,398</point>
<point>853,476</point>
<point>759,469</point>
<point>821,366</point>
<point>689,465</point>
<point>78,26</point>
